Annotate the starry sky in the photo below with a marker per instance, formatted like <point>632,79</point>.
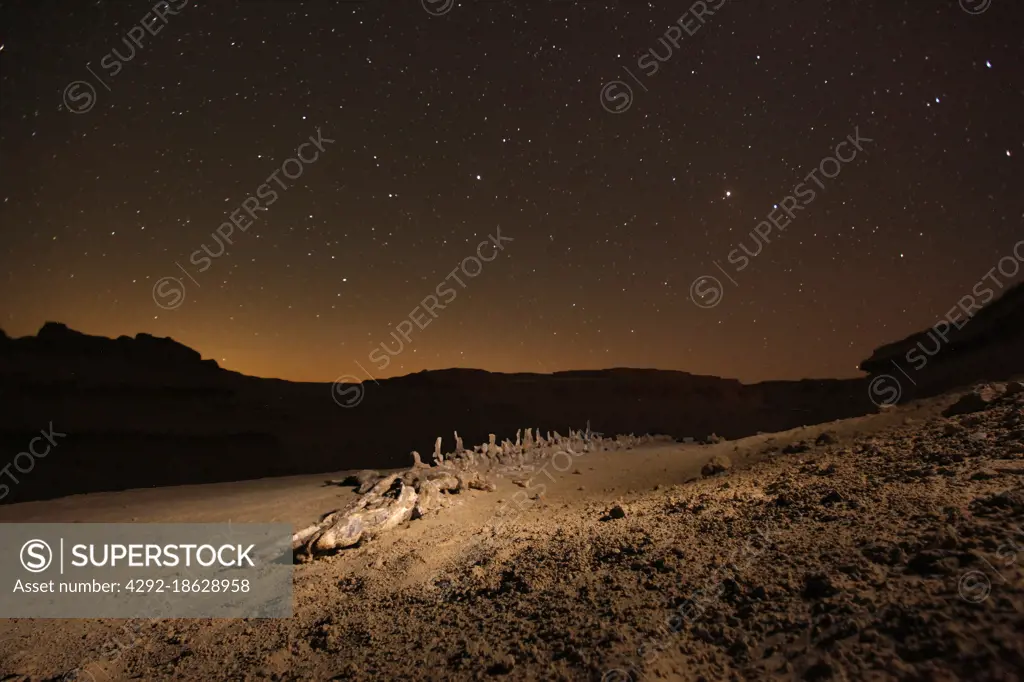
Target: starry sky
<point>449,122</point>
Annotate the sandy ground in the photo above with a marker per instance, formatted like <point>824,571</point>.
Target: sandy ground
<point>879,551</point>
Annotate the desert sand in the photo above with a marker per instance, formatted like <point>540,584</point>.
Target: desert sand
<point>880,547</point>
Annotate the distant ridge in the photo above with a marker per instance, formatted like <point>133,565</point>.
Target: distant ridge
<point>147,411</point>
<point>988,345</point>
<point>58,352</point>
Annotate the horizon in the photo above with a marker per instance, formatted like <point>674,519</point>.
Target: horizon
<point>769,255</point>
<point>948,321</point>
<point>862,374</point>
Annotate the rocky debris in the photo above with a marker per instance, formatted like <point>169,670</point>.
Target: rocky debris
<point>1010,499</point>
<point>820,671</point>
<point>716,465</point>
<point>819,586</point>
<point>977,400</point>
<point>831,498</point>
<point>826,438</point>
<point>884,553</point>
<point>714,439</point>
<point>418,463</point>
<point>953,429</point>
<point>933,561</point>
<point>707,580</point>
<point>796,448</point>
<point>617,512</point>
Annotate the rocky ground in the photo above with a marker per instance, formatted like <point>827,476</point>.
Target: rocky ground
<point>884,547</point>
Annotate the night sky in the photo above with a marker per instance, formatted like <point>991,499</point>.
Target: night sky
<point>445,127</point>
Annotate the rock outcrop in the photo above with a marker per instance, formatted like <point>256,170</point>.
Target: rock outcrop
<point>959,349</point>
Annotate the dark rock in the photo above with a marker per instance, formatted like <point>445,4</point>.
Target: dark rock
<point>933,562</point>
<point>977,400</point>
<point>822,670</point>
<point>819,586</point>
<point>617,512</point>
<point>832,498</point>
<point>796,448</point>
<point>502,667</point>
<point>884,553</point>
<point>826,438</point>
<point>1010,499</point>
<point>946,538</point>
<point>716,465</point>
<point>740,650</point>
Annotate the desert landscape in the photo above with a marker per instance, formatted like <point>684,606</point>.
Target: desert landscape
<point>881,543</point>
<point>500,341</point>
<point>204,424</point>
<point>884,546</point>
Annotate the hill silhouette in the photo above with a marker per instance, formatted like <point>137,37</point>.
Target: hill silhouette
<point>984,346</point>
<point>148,411</point>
